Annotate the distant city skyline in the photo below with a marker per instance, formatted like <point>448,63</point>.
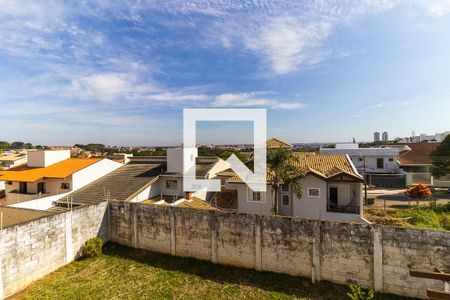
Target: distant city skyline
<point>121,74</point>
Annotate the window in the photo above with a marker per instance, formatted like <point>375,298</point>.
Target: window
<point>285,187</point>
<point>285,200</point>
<point>360,159</point>
<point>9,182</point>
<point>171,184</point>
<point>314,192</point>
<point>391,159</point>
<point>65,186</point>
<point>380,163</point>
<point>256,196</point>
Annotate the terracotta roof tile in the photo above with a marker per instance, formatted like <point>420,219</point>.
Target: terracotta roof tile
<point>274,143</point>
<point>323,165</point>
<point>418,155</point>
<point>61,169</point>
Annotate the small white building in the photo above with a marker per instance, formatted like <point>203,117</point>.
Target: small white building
<point>368,160</point>
<point>52,172</point>
<point>169,185</point>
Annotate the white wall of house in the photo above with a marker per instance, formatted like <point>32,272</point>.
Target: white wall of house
<point>246,203</point>
<point>175,159</point>
<point>149,192</point>
<point>45,158</point>
<point>2,185</point>
<point>369,157</point>
<point>311,207</point>
<point>93,172</point>
<point>169,191</point>
<point>54,185</point>
<point>41,203</point>
<point>314,207</point>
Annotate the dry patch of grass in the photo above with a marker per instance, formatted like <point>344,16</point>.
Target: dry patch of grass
<point>126,273</point>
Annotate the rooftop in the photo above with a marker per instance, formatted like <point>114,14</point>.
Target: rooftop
<point>14,216</point>
<point>323,165</point>
<point>12,157</point>
<point>121,184</point>
<point>418,155</point>
<point>274,143</point>
<point>60,170</point>
<point>194,202</point>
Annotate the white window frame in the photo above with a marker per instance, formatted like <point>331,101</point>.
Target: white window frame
<point>283,190</point>
<point>314,188</point>
<point>65,184</point>
<point>262,196</point>
<point>259,195</point>
<point>289,198</point>
<point>169,187</point>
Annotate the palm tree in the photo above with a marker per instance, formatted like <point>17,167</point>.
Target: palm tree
<point>283,170</point>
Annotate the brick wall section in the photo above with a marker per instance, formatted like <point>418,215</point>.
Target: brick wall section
<point>31,250</point>
<point>415,249</point>
<point>235,239</point>
<point>287,245</point>
<point>340,252</point>
<point>370,255</point>
<point>35,249</point>
<point>346,252</point>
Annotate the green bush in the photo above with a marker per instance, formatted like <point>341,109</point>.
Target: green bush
<point>91,248</point>
<point>357,293</point>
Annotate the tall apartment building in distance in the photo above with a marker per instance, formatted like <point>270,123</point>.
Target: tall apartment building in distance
<point>376,136</point>
<point>385,136</point>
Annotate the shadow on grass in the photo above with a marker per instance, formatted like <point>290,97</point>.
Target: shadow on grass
<point>299,287</point>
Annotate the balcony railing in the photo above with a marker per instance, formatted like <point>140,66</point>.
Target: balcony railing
<point>344,209</point>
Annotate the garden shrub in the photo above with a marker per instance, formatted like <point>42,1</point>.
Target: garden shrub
<point>91,248</point>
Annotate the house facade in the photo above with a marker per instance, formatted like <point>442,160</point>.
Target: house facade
<point>169,185</point>
<point>332,190</point>
<point>378,165</point>
<point>52,172</point>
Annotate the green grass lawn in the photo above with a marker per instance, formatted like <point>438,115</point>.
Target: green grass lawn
<point>126,273</point>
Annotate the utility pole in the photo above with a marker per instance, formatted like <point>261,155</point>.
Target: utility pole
<point>365,179</point>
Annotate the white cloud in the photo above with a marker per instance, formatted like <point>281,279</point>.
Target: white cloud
<point>105,87</point>
<point>437,8</point>
<point>253,99</point>
<point>114,87</point>
<point>285,43</point>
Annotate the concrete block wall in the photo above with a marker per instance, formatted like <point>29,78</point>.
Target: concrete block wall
<point>373,256</point>
<point>413,249</point>
<point>34,249</point>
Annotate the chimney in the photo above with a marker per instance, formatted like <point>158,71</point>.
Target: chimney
<point>188,195</point>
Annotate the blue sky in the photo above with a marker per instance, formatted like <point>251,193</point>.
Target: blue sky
<point>121,73</point>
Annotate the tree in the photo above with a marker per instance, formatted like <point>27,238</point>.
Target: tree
<point>282,170</point>
<point>441,158</point>
<point>418,191</point>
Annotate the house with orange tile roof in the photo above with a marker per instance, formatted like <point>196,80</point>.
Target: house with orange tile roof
<point>332,190</point>
<point>51,172</point>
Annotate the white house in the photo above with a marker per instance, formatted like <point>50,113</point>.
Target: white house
<point>52,172</point>
<point>7,162</point>
<point>332,190</point>
<point>368,160</point>
<point>169,186</point>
